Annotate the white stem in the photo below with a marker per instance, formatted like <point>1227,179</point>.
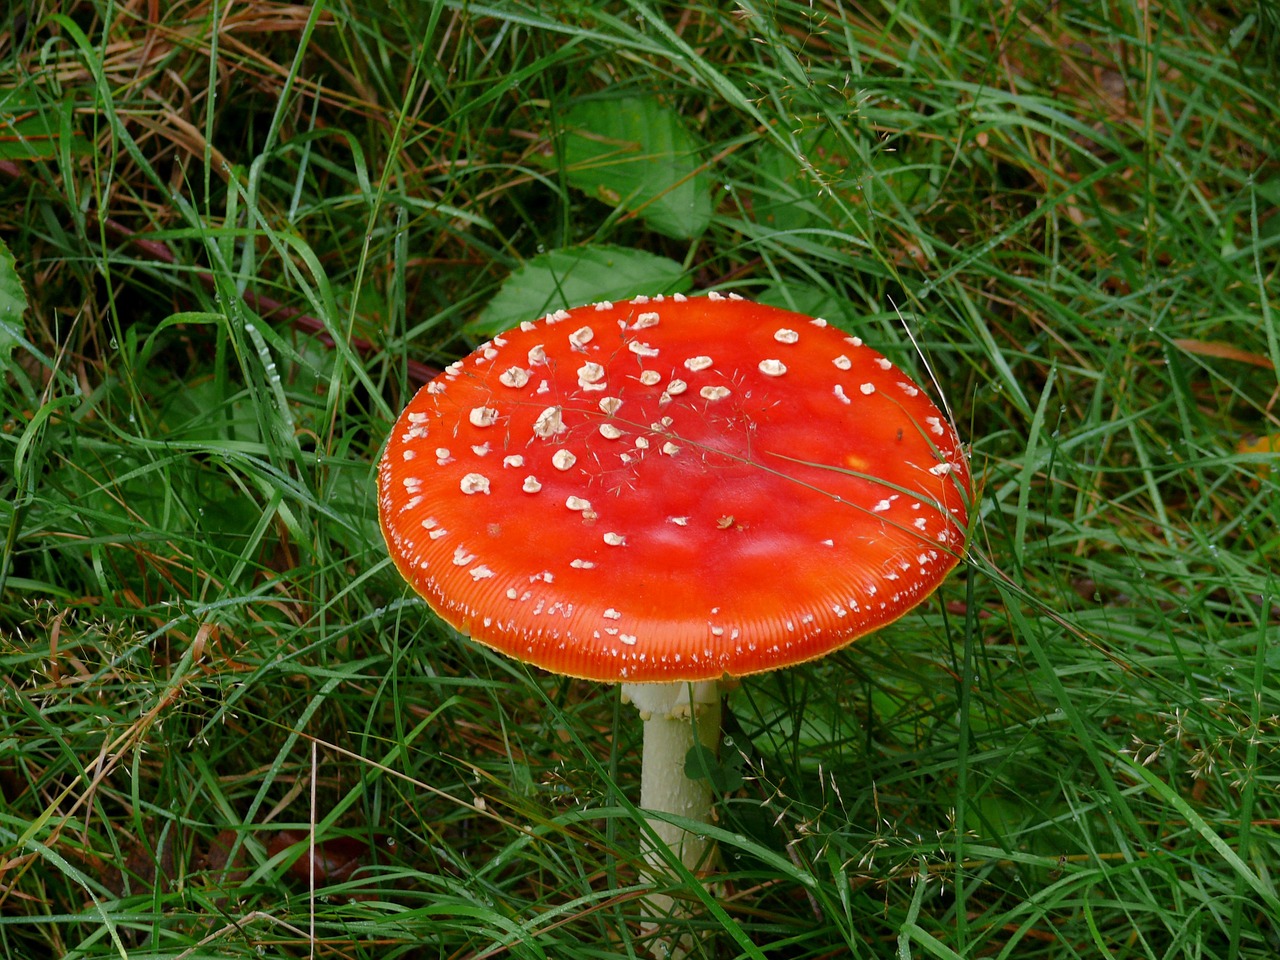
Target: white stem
<point>676,717</point>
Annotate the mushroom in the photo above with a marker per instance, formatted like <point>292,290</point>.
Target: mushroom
<point>670,491</point>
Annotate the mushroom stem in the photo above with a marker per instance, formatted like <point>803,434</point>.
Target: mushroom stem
<point>677,717</point>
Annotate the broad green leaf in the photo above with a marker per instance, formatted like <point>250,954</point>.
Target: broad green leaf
<point>1268,194</point>
<point>637,154</point>
<point>572,277</point>
<point>825,184</point>
<point>788,196</point>
<point>810,301</point>
<point>34,129</point>
<point>13,303</point>
<point>724,773</point>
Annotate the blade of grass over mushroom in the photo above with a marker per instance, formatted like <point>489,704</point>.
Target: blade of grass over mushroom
<point>643,434</point>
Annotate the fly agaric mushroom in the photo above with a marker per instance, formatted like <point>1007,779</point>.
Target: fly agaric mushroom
<point>669,491</point>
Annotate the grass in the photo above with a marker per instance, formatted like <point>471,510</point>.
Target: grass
<point>247,231</point>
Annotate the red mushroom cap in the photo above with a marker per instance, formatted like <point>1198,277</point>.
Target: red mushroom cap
<point>672,489</point>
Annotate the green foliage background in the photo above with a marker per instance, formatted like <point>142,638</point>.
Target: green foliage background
<point>246,232</point>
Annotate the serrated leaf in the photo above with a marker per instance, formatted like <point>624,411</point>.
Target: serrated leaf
<point>569,278</point>
<point>13,303</point>
<point>636,153</point>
